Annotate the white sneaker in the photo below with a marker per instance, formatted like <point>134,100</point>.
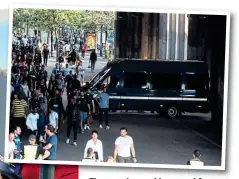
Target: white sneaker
<point>67,141</point>
<point>100,126</point>
<point>82,131</point>
<point>88,127</point>
<point>107,127</point>
<point>74,143</point>
<point>85,127</point>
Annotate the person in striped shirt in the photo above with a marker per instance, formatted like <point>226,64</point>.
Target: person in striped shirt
<point>19,112</point>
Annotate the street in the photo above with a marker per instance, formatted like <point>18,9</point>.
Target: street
<point>157,140</point>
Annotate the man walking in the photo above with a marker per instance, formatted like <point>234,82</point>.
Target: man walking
<point>124,147</point>
<point>45,54</point>
<point>17,141</point>
<point>72,120</point>
<point>104,107</point>
<point>19,111</point>
<point>51,143</point>
<point>84,108</point>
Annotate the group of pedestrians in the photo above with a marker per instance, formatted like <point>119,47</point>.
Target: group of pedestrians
<point>37,110</point>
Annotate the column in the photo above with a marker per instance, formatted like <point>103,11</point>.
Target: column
<point>145,39</point>
<point>177,42</point>
<point>173,36</point>
<point>162,43</point>
<point>116,37</point>
<point>154,46</point>
<point>186,37</point>
<point>180,37</point>
<point>168,36</point>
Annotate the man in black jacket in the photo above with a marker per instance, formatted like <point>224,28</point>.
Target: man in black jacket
<point>72,120</point>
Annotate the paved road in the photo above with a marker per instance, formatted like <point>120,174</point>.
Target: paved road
<point>157,140</point>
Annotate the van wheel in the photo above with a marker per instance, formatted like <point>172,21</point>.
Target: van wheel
<point>172,112</point>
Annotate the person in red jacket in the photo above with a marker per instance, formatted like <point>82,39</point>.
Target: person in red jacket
<point>83,49</point>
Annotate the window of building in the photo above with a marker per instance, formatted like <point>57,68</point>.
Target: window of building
<point>135,80</point>
<point>164,81</point>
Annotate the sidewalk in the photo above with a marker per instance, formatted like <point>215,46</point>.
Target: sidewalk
<point>52,60</point>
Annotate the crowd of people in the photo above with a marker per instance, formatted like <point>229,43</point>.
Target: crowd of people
<point>37,109</point>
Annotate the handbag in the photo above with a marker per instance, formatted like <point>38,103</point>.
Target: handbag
<point>90,119</point>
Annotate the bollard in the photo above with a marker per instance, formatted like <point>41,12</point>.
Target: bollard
<point>47,171</point>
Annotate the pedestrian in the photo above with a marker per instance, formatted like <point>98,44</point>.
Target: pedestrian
<point>32,121</point>
<point>93,59</point>
<point>96,145</point>
<point>90,156</point>
<point>45,54</point>
<point>11,146</point>
<point>73,56</point>
<point>196,161</point>
<point>83,49</point>
<point>66,70</point>
<point>84,108</point>
<point>72,120</point>
<point>26,88</point>
<point>17,152</point>
<point>124,147</point>
<point>90,98</point>
<point>67,49</point>
<point>42,118</point>
<point>56,105</point>
<point>19,111</point>
<point>104,107</point>
<point>50,143</point>
<point>53,119</point>
<point>33,151</point>
<point>80,73</point>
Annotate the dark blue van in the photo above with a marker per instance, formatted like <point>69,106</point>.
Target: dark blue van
<point>168,87</point>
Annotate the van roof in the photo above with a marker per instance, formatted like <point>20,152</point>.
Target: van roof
<point>167,66</point>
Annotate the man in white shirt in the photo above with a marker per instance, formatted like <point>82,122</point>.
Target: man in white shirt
<point>25,40</point>
<point>124,146</point>
<point>11,146</point>
<point>67,49</point>
<point>31,122</point>
<point>96,145</point>
<point>53,119</point>
<point>25,88</point>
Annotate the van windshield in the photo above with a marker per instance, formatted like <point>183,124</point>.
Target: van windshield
<point>99,75</point>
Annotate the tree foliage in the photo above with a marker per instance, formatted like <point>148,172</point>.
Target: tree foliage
<point>53,19</point>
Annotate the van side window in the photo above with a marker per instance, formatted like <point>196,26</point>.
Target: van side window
<point>114,82</point>
<point>135,79</point>
<point>165,81</point>
<point>195,82</point>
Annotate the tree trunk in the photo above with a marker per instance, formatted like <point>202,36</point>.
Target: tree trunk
<point>27,29</point>
<point>101,46</point>
<point>48,37</point>
<point>106,37</point>
<point>51,43</point>
<point>57,49</point>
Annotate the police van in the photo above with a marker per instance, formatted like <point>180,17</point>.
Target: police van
<point>168,87</point>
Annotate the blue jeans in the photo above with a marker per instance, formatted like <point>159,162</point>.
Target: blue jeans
<point>83,116</point>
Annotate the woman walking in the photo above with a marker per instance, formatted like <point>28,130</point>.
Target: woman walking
<point>80,73</point>
<point>93,59</point>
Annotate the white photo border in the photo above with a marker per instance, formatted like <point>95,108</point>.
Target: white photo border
<point>122,9</point>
